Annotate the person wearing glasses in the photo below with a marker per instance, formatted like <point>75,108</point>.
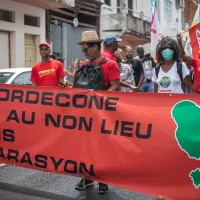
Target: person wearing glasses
<point>91,47</point>
<point>48,72</point>
<point>107,78</point>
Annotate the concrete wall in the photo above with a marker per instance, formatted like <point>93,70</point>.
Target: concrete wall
<point>18,29</point>
<point>64,41</point>
<point>138,6</point>
<point>105,9</point>
<point>56,39</point>
<point>111,20</point>
<point>142,9</point>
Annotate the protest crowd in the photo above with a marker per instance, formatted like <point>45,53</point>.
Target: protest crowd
<point>112,69</point>
<point>109,94</point>
<point>171,71</point>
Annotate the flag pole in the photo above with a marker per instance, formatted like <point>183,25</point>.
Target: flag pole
<point>186,31</point>
<point>190,28</point>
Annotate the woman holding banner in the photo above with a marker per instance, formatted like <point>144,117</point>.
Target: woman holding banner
<point>170,74</point>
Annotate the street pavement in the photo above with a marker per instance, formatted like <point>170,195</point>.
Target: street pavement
<point>25,184</point>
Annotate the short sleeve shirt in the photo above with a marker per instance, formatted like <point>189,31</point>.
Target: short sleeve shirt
<point>170,82</point>
<point>148,70</point>
<point>126,74</point>
<point>137,68</point>
<point>47,74</point>
<point>109,54</point>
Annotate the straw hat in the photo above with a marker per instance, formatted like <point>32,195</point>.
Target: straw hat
<point>89,37</point>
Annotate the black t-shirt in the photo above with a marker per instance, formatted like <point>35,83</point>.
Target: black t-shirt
<point>137,67</point>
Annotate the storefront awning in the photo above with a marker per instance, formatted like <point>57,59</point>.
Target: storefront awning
<point>49,4</point>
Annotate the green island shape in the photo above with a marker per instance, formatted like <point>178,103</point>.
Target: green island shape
<point>195,176</point>
<point>186,115</point>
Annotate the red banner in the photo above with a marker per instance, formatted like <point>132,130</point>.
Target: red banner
<point>147,143</point>
<point>194,32</point>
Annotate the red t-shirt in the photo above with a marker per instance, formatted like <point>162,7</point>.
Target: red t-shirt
<point>196,66</point>
<point>109,54</point>
<point>47,74</point>
<point>109,69</point>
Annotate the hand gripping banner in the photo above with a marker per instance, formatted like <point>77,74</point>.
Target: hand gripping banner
<point>147,143</point>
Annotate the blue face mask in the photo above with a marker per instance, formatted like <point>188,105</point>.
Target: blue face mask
<point>168,54</point>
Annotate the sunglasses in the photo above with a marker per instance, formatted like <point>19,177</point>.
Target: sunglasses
<point>85,50</point>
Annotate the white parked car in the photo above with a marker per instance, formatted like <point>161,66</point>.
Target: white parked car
<point>18,76</point>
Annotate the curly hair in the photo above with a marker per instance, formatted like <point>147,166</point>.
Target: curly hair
<point>165,43</point>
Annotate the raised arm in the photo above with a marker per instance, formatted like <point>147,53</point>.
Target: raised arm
<point>183,55</point>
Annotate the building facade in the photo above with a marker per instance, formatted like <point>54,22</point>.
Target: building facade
<point>177,16</point>
<point>22,27</point>
<point>130,19</point>
<point>66,25</point>
<point>127,19</point>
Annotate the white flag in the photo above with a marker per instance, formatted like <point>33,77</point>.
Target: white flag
<point>155,26</point>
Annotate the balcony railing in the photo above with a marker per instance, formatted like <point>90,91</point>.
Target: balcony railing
<point>120,22</point>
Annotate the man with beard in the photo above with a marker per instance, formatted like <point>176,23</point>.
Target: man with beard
<point>136,65</point>
<point>97,73</point>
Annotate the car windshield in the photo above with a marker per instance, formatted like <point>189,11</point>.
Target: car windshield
<point>4,76</point>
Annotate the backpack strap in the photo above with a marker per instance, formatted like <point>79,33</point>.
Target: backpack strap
<point>88,63</point>
<point>157,69</point>
<point>179,70</point>
<point>103,61</point>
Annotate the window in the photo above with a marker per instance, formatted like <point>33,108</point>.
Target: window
<point>180,4</point>
<point>6,15</point>
<point>107,2</point>
<point>23,79</point>
<point>130,6</point>
<point>31,20</point>
<point>168,10</point>
<point>5,76</point>
<point>118,6</point>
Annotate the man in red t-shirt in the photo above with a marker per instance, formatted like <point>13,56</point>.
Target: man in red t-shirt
<point>48,72</point>
<point>91,47</point>
<point>194,62</point>
<point>111,44</point>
